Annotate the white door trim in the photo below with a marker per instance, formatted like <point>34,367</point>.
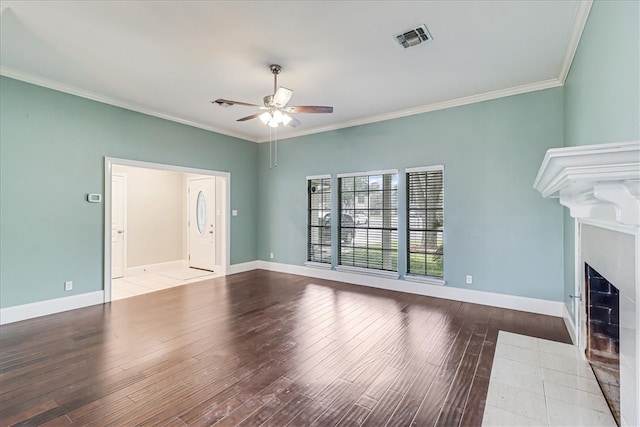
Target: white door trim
<point>124,219</point>
<point>108,170</point>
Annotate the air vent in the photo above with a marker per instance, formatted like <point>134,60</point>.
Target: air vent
<point>414,37</point>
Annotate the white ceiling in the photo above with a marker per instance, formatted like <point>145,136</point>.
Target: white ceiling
<point>171,58</point>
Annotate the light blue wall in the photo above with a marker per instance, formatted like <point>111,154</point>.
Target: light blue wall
<point>497,227</point>
<point>602,92</point>
<point>52,149</point>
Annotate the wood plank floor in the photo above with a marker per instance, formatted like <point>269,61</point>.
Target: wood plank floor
<point>258,348</point>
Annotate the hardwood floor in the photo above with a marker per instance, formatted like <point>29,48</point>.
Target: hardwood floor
<point>258,348</point>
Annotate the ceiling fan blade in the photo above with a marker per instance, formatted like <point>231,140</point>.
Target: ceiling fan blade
<point>227,103</point>
<point>310,109</point>
<point>244,119</point>
<point>282,96</point>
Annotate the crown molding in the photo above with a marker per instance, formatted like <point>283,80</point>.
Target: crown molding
<point>487,96</point>
<point>579,21</point>
<point>502,93</point>
<point>61,87</point>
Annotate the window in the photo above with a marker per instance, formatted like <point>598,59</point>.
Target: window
<point>368,226</point>
<point>425,220</point>
<point>319,221</point>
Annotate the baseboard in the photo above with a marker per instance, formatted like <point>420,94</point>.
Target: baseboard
<point>531,305</point>
<point>43,308</point>
<point>568,322</point>
<point>241,268</point>
<point>161,266</point>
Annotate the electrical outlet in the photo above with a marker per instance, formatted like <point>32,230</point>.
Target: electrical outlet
<point>469,280</point>
<point>271,255</point>
<point>68,285</point>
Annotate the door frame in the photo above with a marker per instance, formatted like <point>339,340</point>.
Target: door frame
<point>108,171</point>
<point>124,206</point>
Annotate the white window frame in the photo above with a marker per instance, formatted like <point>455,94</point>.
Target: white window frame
<point>364,270</point>
<point>422,278</point>
<point>310,263</point>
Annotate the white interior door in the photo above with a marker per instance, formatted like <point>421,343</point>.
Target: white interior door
<point>201,223</point>
<point>118,223</point>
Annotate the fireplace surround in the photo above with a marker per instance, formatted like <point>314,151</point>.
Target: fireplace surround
<point>600,185</point>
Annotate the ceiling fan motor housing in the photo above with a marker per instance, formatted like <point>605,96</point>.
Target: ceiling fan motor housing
<point>275,68</point>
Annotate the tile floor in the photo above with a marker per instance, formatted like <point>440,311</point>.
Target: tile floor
<point>537,382</point>
<point>130,286</point>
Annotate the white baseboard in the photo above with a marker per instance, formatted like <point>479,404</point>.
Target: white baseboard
<point>241,268</point>
<point>161,266</point>
<point>43,308</point>
<point>531,305</point>
<point>568,322</point>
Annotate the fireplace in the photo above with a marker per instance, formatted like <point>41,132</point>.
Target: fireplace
<point>603,335</point>
<point>600,186</point>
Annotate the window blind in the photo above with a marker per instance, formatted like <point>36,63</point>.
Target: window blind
<point>368,226</point>
<point>425,221</point>
<point>319,220</point>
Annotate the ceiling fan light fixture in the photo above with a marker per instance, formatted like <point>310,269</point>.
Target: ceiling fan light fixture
<point>265,117</point>
<point>277,116</point>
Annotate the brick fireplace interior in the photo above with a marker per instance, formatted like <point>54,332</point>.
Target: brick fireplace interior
<point>603,335</point>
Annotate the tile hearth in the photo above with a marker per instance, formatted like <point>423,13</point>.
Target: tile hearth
<point>536,382</point>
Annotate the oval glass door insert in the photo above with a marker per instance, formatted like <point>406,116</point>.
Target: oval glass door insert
<point>201,212</point>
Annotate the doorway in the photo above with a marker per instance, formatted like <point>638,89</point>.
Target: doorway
<point>159,234</point>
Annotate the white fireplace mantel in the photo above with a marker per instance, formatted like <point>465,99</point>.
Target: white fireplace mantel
<point>600,182</point>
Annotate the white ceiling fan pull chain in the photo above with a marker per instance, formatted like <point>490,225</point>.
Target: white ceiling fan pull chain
<point>270,161</point>
<point>275,131</point>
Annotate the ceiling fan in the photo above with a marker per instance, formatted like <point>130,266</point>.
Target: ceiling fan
<point>276,112</point>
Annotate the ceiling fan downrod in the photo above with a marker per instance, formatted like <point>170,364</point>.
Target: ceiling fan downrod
<point>275,69</point>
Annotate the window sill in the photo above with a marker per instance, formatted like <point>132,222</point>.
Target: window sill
<point>368,272</point>
<point>425,279</point>
<point>320,265</point>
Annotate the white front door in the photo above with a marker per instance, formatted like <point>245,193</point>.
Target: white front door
<point>201,223</point>
<point>118,209</point>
